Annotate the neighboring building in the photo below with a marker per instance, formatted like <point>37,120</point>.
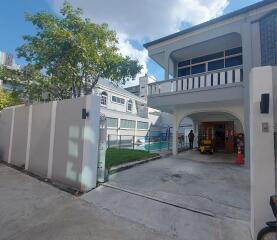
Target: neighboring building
<point>210,65</point>
<point>127,114</point>
<point>7,60</point>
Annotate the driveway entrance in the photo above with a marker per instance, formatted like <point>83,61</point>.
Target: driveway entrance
<point>187,197</point>
<point>207,183</point>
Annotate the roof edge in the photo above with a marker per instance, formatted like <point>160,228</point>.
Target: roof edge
<point>211,22</point>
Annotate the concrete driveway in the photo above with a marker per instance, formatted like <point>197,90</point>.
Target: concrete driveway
<point>209,186</point>
<point>34,210</point>
<point>190,196</point>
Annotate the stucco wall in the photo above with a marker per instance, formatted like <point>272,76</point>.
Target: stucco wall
<point>40,139</point>
<point>68,147</point>
<point>18,150</point>
<point>5,133</point>
<point>53,141</point>
<point>261,149</point>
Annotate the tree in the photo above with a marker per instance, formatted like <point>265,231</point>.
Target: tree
<point>27,83</point>
<point>7,99</point>
<point>69,54</point>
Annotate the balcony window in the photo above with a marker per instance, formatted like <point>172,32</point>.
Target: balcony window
<point>219,60</point>
<point>233,51</point>
<point>219,64</point>
<point>184,72</point>
<point>198,69</point>
<point>184,63</point>
<point>207,57</point>
<point>233,61</point>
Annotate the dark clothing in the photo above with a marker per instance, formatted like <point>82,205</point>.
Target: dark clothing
<point>190,144</point>
<point>191,139</point>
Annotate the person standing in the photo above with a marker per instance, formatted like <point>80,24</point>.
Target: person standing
<point>191,139</point>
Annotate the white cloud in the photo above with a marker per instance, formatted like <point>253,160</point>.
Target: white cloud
<point>147,19</point>
<point>127,49</point>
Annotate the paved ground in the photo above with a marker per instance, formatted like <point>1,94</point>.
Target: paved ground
<point>160,195</point>
<point>33,210</point>
<point>172,198</point>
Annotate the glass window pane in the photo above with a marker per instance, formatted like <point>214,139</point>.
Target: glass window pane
<point>198,69</point>
<point>184,63</point>
<point>142,125</point>
<point>118,100</point>
<point>183,72</point>
<point>130,105</point>
<point>219,64</point>
<point>112,122</point>
<point>207,57</point>
<point>127,123</point>
<point>233,51</point>
<point>234,61</point>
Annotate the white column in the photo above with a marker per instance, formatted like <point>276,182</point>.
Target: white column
<point>11,136</point>
<point>27,161</point>
<point>52,139</point>
<point>261,149</point>
<point>174,135</point>
<point>91,143</point>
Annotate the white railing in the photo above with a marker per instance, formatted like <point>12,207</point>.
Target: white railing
<point>196,81</point>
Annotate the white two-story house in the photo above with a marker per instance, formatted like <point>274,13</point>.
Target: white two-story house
<point>127,114</point>
<point>206,72</point>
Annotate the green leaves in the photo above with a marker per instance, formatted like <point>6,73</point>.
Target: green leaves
<point>73,53</point>
<point>8,99</point>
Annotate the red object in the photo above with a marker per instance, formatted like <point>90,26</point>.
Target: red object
<point>239,160</point>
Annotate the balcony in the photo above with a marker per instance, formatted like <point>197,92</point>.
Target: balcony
<point>220,85</point>
<point>197,81</point>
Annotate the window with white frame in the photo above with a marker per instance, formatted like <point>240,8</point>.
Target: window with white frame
<point>225,59</point>
<point>130,105</point>
<point>118,100</point>
<point>112,122</point>
<point>104,97</point>
<point>130,124</point>
<point>142,125</point>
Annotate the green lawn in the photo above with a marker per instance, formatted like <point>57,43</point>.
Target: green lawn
<point>116,156</point>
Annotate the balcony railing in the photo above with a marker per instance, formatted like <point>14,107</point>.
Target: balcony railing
<point>197,81</point>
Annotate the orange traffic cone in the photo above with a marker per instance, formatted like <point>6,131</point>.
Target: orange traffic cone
<point>239,160</point>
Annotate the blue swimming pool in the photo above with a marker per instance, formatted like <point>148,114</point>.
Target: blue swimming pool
<point>154,147</point>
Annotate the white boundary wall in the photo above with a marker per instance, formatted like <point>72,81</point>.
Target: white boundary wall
<point>262,159</point>
<point>53,141</point>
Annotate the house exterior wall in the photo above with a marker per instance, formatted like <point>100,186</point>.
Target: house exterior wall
<point>263,163</point>
<point>246,25</point>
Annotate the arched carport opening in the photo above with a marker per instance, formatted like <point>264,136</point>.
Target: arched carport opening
<point>224,129</point>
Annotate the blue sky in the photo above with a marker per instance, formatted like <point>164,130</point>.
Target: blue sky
<point>13,26</point>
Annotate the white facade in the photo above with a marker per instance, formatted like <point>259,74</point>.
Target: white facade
<point>127,113</point>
